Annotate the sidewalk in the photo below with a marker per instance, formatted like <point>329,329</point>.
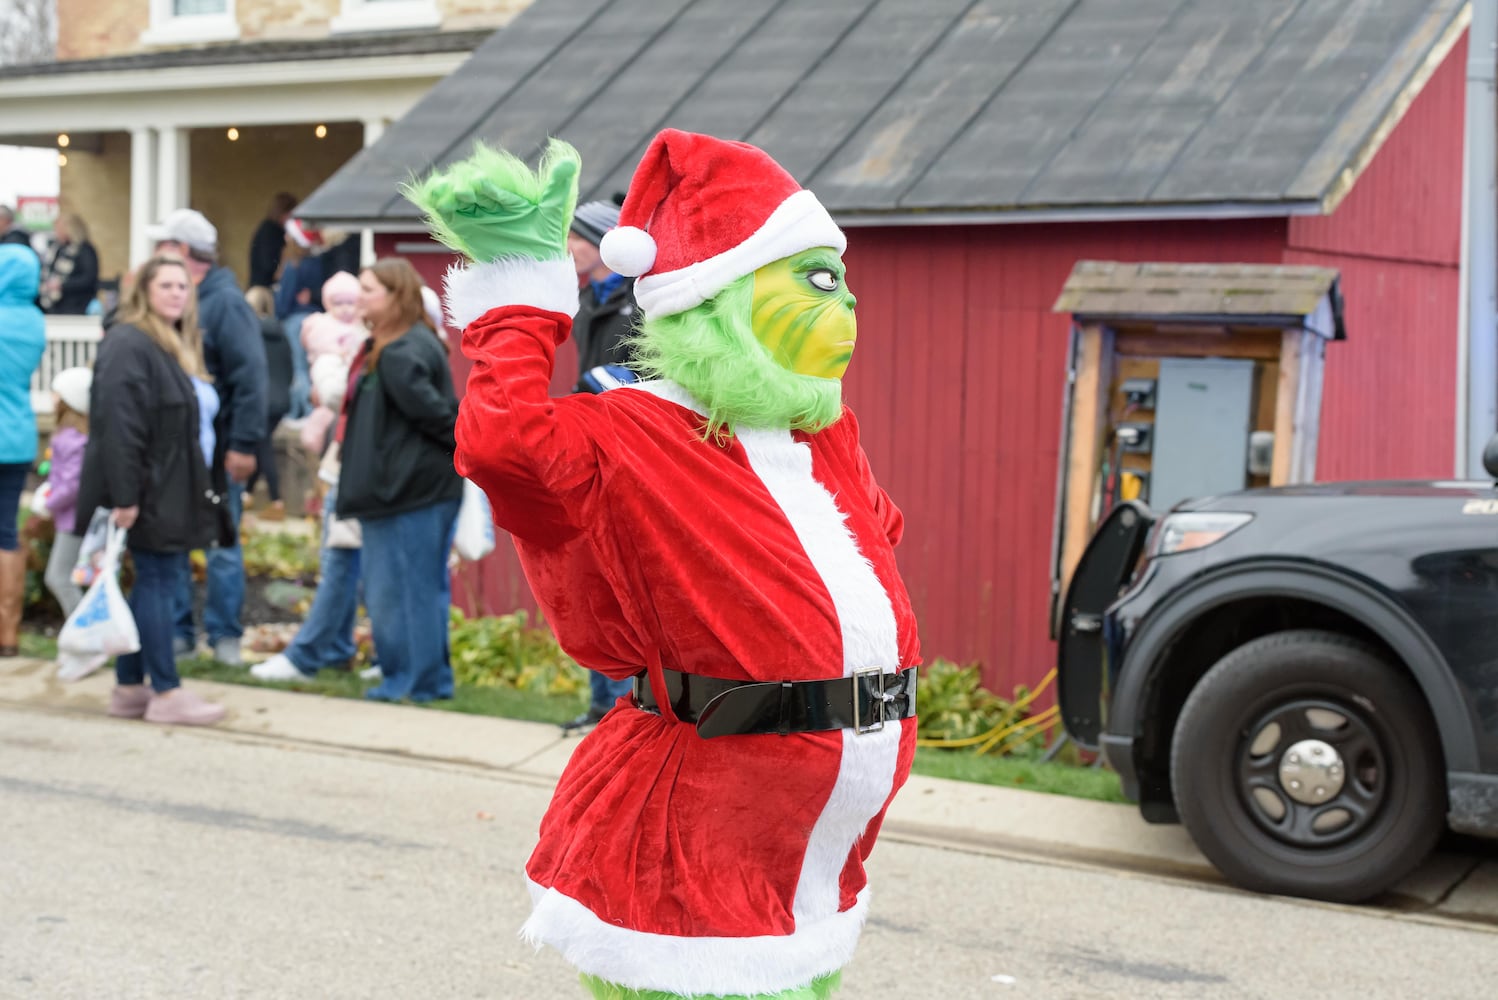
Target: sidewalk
<point>954,814</point>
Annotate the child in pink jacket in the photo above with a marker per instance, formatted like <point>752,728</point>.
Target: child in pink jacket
<point>331,337</point>
<point>69,440</point>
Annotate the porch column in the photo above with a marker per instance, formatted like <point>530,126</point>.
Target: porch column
<point>171,169</point>
<point>142,192</point>
<point>373,129</point>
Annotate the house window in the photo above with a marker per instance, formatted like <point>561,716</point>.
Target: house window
<point>381,15</point>
<point>174,22</point>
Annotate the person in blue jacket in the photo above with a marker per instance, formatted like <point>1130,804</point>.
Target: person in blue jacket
<point>23,338</point>
<point>234,352</point>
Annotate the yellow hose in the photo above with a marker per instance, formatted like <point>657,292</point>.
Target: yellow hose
<point>1002,729</point>
<point>1033,723</point>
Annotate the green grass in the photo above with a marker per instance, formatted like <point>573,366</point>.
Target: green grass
<point>37,646</point>
<point>1018,772</point>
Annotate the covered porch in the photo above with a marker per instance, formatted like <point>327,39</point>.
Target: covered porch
<point>220,130</point>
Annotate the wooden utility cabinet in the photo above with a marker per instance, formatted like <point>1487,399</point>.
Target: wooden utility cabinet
<point>1128,318</point>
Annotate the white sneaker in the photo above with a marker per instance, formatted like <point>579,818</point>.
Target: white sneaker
<point>277,668</point>
<point>226,651</point>
<point>372,674</point>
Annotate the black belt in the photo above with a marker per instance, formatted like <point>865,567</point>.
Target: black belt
<point>863,702</point>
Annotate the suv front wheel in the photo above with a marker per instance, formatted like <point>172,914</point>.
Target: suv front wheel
<point>1304,763</point>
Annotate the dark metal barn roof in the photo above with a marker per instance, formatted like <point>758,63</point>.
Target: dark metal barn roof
<point>909,111</point>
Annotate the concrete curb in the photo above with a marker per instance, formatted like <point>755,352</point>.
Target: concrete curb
<point>935,811</point>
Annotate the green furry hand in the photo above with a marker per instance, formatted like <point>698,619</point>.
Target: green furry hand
<point>492,205</point>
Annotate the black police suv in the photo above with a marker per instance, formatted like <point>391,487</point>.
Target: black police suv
<point>1306,677</point>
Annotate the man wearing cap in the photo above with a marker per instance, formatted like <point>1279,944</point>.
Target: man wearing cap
<point>606,311</point>
<point>235,356</point>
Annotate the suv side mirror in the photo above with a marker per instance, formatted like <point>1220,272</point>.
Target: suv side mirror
<point>1490,456</point>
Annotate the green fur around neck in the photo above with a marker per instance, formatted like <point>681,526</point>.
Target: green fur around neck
<point>712,353</point>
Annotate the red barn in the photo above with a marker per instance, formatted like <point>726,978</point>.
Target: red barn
<point>974,153</point>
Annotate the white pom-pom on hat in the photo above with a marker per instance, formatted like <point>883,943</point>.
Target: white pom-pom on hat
<point>627,250</point>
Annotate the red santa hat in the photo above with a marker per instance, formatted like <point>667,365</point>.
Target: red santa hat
<point>703,212</point>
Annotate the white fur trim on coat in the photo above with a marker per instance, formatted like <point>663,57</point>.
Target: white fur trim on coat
<point>474,289</point>
<point>866,773</point>
<point>692,965</point>
<point>798,223</point>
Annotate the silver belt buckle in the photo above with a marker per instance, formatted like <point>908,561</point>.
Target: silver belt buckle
<point>859,725</point>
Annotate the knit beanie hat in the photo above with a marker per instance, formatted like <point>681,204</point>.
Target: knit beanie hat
<point>703,212</point>
<point>592,219</point>
<point>341,286</point>
<point>72,385</point>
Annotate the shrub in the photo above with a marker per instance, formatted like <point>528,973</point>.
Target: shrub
<point>280,554</point>
<point>507,650</point>
<point>957,712</point>
<point>953,704</point>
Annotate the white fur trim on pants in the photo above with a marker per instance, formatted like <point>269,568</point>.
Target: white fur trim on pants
<point>474,289</point>
<point>692,965</point>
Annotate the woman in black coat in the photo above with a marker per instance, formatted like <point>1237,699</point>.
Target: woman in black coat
<point>70,273</point>
<point>152,410</point>
<point>398,479</point>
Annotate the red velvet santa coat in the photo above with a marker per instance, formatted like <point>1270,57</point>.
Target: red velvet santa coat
<point>666,861</point>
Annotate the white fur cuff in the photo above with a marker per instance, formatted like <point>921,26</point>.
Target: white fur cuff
<point>474,289</point>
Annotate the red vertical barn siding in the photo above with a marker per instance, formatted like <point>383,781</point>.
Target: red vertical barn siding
<point>1407,204</point>
<point>1388,407</point>
<point>1389,402</point>
<point>958,382</point>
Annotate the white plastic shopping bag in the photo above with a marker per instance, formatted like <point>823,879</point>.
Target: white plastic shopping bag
<point>39,497</point>
<point>102,625</point>
<point>91,549</point>
<point>474,537</point>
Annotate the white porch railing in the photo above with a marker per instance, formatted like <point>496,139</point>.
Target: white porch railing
<point>72,341</point>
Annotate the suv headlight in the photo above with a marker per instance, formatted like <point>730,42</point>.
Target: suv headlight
<point>1195,530</point>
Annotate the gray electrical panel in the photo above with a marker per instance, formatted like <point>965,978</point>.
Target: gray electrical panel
<point>1202,423</point>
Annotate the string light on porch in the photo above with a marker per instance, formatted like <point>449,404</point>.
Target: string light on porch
<point>62,159</point>
<point>63,140</point>
<point>233,134</point>
<point>321,131</point>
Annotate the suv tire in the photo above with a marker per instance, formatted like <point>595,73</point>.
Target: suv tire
<point>1304,763</point>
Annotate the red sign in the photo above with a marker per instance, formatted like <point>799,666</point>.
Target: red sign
<point>36,212</point>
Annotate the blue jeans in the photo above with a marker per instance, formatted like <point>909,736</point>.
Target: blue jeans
<point>326,638</point>
<point>12,482</point>
<point>409,595</point>
<point>605,692</point>
<point>158,579</point>
<point>225,586</point>
<point>301,379</point>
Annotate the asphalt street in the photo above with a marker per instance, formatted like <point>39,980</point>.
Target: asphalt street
<point>138,861</point>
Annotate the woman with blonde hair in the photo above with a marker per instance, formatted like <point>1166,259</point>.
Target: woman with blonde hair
<point>70,275</point>
<point>151,409</point>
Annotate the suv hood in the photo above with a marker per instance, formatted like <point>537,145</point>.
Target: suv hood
<point>1389,488</point>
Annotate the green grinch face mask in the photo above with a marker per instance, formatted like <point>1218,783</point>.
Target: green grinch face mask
<point>803,313</point>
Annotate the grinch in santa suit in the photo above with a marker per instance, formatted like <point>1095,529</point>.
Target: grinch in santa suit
<point>714,532</point>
